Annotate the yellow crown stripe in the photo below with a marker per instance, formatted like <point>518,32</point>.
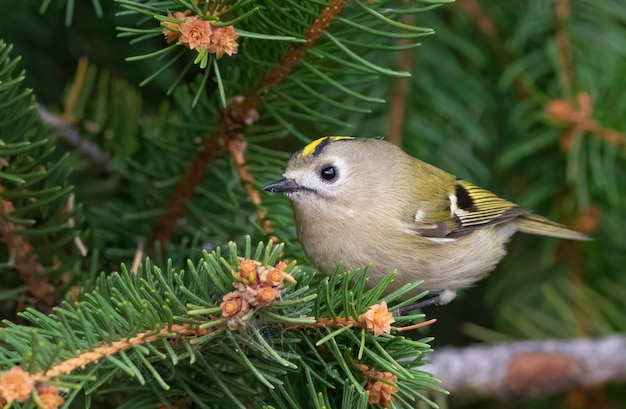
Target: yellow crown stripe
<point>310,149</point>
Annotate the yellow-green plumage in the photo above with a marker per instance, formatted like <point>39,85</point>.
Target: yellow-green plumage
<point>384,207</point>
<point>535,224</point>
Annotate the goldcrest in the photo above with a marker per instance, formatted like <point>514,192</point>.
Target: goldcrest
<point>360,201</point>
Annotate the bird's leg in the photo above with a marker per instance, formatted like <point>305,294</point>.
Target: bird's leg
<point>439,298</point>
<point>418,305</point>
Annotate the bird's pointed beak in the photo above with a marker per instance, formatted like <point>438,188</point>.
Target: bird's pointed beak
<point>283,186</point>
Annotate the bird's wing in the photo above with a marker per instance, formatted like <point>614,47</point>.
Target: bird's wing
<point>469,207</point>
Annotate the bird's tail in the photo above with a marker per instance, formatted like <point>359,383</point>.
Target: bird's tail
<point>534,224</point>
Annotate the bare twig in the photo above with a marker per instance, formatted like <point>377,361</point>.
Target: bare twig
<point>531,368</point>
<point>75,139</point>
<point>562,9</point>
<point>399,92</point>
<point>237,148</point>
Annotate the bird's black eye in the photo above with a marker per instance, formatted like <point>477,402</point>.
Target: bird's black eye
<point>329,173</point>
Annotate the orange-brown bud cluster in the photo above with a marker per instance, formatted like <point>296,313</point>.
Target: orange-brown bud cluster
<point>17,385</point>
<point>49,397</point>
<point>255,286</point>
<point>377,319</point>
<point>380,385</point>
<point>197,33</point>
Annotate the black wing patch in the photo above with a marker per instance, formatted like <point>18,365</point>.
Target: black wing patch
<point>463,199</point>
<point>470,208</point>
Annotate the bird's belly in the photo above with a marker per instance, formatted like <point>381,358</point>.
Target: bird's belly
<point>442,266</point>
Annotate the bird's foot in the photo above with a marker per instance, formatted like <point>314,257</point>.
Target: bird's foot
<point>439,298</point>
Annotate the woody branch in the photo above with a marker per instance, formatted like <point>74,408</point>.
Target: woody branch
<point>522,370</point>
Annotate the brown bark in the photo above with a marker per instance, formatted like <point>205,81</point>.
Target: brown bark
<point>527,369</point>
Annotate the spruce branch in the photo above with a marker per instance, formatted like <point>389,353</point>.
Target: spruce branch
<point>527,369</point>
<point>37,216</point>
<point>283,332</point>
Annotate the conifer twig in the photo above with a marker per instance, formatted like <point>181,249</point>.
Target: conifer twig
<point>26,261</point>
<point>341,322</point>
<point>85,358</point>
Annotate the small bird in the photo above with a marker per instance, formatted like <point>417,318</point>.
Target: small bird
<point>360,201</point>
